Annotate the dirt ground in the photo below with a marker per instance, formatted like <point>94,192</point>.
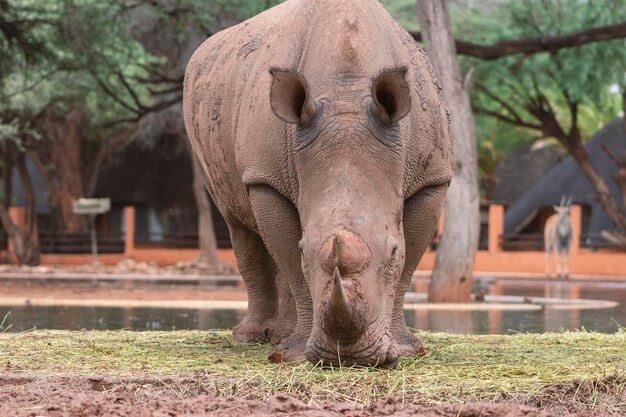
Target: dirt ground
<point>51,396</point>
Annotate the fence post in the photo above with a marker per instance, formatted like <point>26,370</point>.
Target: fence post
<point>496,227</point>
<point>576,219</point>
<point>129,230</point>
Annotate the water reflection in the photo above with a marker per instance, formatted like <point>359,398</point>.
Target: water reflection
<point>97,318</point>
<point>551,320</point>
<point>471,322</point>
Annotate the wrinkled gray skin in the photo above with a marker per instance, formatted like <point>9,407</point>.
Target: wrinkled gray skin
<point>325,144</point>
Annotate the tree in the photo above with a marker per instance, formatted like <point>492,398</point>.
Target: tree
<point>451,279</point>
<point>77,76</point>
<point>602,24</point>
<point>553,93</point>
<point>173,30</point>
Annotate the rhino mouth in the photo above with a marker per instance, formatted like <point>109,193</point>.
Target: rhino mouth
<point>376,351</point>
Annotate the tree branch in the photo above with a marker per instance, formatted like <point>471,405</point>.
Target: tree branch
<point>611,155</point>
<point>517,118</point>
<point>130,90</point>
<point>506,119</point>
<point>537,44</point>
<point>114,96</point>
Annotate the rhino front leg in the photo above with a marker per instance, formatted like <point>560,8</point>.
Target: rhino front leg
<point>279,224</point>
<point>258,271</point>
<point>421,213</point>
<point>285,321</point>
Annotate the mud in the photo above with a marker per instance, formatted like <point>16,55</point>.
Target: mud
<point>63,396</point>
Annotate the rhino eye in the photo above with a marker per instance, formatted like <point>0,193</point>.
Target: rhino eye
<point>394,250</point>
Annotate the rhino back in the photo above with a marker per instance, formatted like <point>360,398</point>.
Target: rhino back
<point>227,109</point>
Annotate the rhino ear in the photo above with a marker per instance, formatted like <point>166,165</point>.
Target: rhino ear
<point>392,96</point>
<point>289,97</point>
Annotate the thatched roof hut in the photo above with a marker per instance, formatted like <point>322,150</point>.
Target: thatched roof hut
<point>566,179</point>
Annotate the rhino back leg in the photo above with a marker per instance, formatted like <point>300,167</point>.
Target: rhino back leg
<point>259,272</point>
<point>420,216</point>
<point>279,224</point>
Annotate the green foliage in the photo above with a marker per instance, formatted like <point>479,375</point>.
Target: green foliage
<point>84,52</point>
<point>581,74</point>
<point>404,12</point>
<point>496,141</point>
<point>67,50</point>
<point>217,14</point>
<point>9,130</point>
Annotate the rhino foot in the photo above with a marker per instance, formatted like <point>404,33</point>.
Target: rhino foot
<point>408,344</point>
<point>290,349</point>
<point>279,331</point>
<point>247,332</point>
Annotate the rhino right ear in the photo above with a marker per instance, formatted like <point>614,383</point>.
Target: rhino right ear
<point>289,97</point>
<point>392,96</point>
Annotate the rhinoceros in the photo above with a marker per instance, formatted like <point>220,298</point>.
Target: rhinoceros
<point>324,141</point>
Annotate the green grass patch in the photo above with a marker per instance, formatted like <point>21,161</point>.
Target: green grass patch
<point>457,367</point>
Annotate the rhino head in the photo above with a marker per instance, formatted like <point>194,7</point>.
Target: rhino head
<point>349,157</point>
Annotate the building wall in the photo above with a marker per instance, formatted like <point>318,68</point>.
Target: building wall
<point>600,263</point>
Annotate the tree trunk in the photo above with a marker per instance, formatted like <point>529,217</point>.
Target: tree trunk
<point>451,279</point>
<point>604,197</point>
<point>25,238</point>
<point>58,158</point>
<point>206,231</point>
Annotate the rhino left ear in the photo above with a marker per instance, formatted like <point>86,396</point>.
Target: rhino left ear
<point>289,97</point>
<point>392,96</point>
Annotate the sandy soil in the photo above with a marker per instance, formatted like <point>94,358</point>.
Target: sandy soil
<point>65,396</point>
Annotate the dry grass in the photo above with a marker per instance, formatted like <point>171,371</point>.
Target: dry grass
<point>457,368</point>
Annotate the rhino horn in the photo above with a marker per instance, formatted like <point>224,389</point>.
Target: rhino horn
<point>338,301</point>
<point>345,319</point>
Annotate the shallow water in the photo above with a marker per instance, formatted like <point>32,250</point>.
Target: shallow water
<point>25,317</point>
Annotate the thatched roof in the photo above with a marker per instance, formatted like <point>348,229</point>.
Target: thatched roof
<point>534,163</point>
<point>566,179</point>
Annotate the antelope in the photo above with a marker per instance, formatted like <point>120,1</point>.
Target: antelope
<point>557,236</point>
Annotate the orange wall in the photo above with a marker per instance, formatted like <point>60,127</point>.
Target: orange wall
<point>582,261</point>
<point>585,262</point>
<point>162,257</point>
